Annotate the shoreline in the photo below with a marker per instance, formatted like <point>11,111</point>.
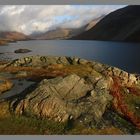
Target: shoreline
<point>90,84</point>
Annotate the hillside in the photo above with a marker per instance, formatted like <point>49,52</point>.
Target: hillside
<point>64,33</point>
<point>13,36</point>
<point>120,25</point>
<point>53,34</point>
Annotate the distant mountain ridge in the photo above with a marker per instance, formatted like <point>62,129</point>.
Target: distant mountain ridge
<point>54,34</point>
<point>120,25</point>
<point>64,33</point>
<point>13,35</point>
<point>58,33</point>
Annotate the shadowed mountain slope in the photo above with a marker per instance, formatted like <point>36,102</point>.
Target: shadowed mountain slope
<point>120,25</point>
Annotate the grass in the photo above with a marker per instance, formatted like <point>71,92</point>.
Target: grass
<point>11,124</point>
<point>33,126</point>
<point>125,102</point>
<point>4,110</point>
<point>28,124</point>
<point>17,125</point>
<point>81,130</point>
<point>51,71</point>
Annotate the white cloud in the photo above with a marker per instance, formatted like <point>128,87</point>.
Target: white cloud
<point>30,18</point>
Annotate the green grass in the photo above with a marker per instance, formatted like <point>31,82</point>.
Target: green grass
<point>24,125</point>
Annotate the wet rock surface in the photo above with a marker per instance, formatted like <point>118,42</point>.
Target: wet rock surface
<point>77,90</point>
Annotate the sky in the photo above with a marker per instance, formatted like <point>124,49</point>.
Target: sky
<point>40,18</point>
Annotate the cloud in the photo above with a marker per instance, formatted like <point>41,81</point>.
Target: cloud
<point>31,18</point>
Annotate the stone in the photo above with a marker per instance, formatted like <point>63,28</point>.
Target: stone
<point>5,85</point>
<point>61,99</point>
<point>100,100</point>
<point>83,61</point>
<point>22,74</point>
<point>22,51</point>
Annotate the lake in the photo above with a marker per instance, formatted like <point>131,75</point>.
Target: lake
<point>123,55</point>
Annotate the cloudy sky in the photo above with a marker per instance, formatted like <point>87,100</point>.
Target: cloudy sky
<point>30,18</point>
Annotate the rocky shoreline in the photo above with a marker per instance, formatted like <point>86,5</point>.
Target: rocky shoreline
<point>76,92</point>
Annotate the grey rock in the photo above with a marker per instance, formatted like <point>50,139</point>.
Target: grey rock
<point>22,51</point>
<point>61,99</point>
<point>83,61</point>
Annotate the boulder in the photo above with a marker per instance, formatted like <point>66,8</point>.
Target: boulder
<point>22,51</point>
<point>63,99</point>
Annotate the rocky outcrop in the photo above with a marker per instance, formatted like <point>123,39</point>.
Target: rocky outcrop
<point>41,61</point>
<point>77,90</point>
<point>5,85</point>
<point>64,99</point>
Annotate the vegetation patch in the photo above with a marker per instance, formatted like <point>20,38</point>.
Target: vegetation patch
<point>125,102</point>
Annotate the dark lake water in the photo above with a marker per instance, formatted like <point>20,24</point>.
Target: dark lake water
<point>123,55</point>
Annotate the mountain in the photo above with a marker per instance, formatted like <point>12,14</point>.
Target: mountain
<point>64,33</point>
<point>120,25</point>
<point>13,36</point>
<point>58,33</point>
<point>92,23</point>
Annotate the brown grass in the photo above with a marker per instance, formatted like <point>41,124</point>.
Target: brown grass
<point>5,85</point>
<point>50,71</point>
<point>3,42</point>
<point>120,105</point>
<point>92,131</point>
<point>4,110</point>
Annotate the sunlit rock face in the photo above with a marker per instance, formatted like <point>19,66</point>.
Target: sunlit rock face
<point>66,98</point>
